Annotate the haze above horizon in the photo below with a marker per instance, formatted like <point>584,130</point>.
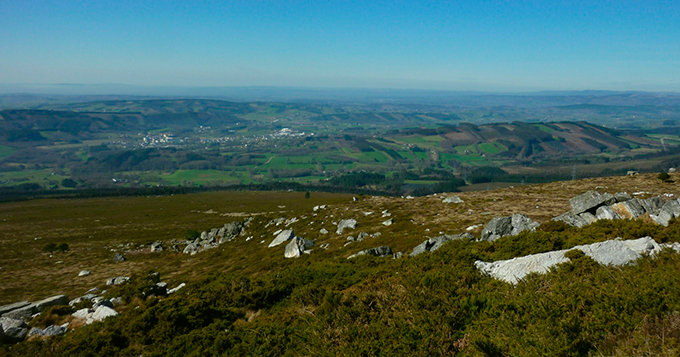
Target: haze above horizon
<point>492,46</point>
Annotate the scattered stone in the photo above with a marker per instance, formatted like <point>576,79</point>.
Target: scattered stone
<point>435,243</point>
<point>398,255</point>
<point>175,289</point>
<point>81,314</point>
<point>103,302</point>
<point>84,273</point>
<point>346,223</point>
<point>453,199</point>
<point>473,227</point>
<point>376,234</point>
<point>15,330</point>
<point>381,252</point>
<point>117,280</point>
<point>323,231</point>
<point>350,239</point>
<point>521,223</point>
<point>388,222</point>
<point>316,208</point>
<point>52,330</point>
<point>297,247</point>
<point>86,297</point>
<point>385,213</point>
<point>119,258</point>
<point>362,235</point>
<point>157,246</point>
<point>284,236</point>
<point>101,313</point>
<point>118,301</point>
<point>496,228</point>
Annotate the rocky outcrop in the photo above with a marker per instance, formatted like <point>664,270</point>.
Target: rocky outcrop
<point>208,239</point>
<point>282,237</point>
<point>590,201</point>
<point>593,206</point>
<point>297,247</point>
<point>346,223</point>
<point>435,243</point>
<point>612,252</point>
<point>157,246</point>
<point>96,314</point>
<point>52,330</point>
<point>11,307</point>
<point>381,252</point>
<point>27,311</point>
<point>509,225</point>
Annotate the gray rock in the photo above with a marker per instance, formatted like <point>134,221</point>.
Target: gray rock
<point>398,255</point>
<point>630,209</point>
<point>652,205</point>
<point>571,219</point>
<point>231,231</point>
<point>388,222</point>
<point>10,307</point>
<point>157,246</point>
<point>588,217</point>
<point>622,196</point>
<point>452,199</point>
<point>106,303</point>
<point>351,239</point>
<point>362,235</point>
<point>117,280</point>
<point>606,212</point>
<point>381,252</point>
<point>13,329</point>
<point>589,201</point>
<point>297,247</point>
<point>435,243</point>
<point>282,237</point>
<point>496,228</point>
<point>52,330</point>
<point>101,313</point>
<point>521,223</point>
<point>82,313</point>
<point>176,289</point>
<point>84,273</point>
<point>37,307</point>
<point>86,297</point>
<point>323,231</point>
<point>613,252</point>
<point>119,258</point>
<point>192,248</point>
<point>669,210</point>
<point>118,301</point>
<point>346,223</point>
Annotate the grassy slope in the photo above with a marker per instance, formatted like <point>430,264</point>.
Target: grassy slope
<point>246,299</point>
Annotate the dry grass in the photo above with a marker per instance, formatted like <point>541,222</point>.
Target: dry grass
<point>95,228</point>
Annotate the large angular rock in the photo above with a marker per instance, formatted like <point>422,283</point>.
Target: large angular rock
<point>652,205</point>
<point>381,252</point>
<point>10,307</point>
<point>157,246</point>
<point>346,223</point>
<point>496,228</point>
<point>630,209</point>
<point>606,212</point>
<point>52,330</point>
<point>622,196</point>
<point>613,252</point>
<point>282,237</point>
<point>36,307</point>
<point>521,223</point>
<point>589,201</point>
<point>669,210</point>
<point>571,219</point>
<point>14,330</point>
<point>297,247</point>
<point>435,243</point>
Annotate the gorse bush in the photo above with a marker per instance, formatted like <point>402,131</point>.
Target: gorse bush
<point>432,304</point>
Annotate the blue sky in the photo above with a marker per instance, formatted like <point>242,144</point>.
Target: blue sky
<point>471,45</point>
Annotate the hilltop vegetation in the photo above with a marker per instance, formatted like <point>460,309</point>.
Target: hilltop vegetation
<point>246,299</point>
